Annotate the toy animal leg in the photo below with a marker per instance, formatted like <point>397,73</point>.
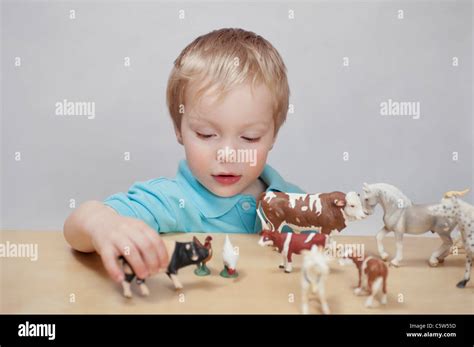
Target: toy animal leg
<point>399,245</point>
<point>467,272</point>
<point>288,267</point>
<point>457,242</point>
<point>369,286</point>
<point>143,287</point>
<point>383,300</point>
<point>369,303</point>
<point>284,262</point>
<point>359,290</point>
<point>304,296</point>
<point>443,251</point>
<point>374,289</point>
<point>177,284</point>
<point>322,299</point>
<point>127,292</point>
<point>126,283</point>
<point>380,236</point>
<point>314,286</point>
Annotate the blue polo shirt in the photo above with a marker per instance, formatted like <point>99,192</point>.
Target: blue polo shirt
<point>183,204</point>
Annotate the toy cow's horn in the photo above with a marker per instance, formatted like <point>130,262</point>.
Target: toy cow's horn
<point>197,242</point>
<point>452,193</point>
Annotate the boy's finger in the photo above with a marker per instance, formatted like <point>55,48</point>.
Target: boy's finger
<point>134,259</point>
<point>147,251</point>
<point>109,259</point>
<point>159,246</point>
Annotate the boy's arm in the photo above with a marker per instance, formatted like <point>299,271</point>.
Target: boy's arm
<point>96,227</point>
<point>148,201</point>
<point>78,225</point>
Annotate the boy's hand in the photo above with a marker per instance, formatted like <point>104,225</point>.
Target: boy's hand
<point>141,246</point>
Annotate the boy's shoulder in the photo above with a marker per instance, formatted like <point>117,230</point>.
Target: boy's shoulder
<point>164,187</point>
<point>275,181</point>
<point>161,182</point>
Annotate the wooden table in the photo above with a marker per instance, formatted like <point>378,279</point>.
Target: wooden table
<point>65,281</point>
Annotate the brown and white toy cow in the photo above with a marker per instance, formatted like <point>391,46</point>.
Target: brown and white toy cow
<point>288,244</point>
<point>373,274</point>
<point>328,212</point>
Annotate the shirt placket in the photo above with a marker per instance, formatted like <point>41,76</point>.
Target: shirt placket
<point>247,213</point>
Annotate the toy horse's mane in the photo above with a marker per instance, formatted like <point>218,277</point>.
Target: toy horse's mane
<point>391,193</point>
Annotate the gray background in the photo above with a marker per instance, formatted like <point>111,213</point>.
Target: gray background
<point>337,108</point>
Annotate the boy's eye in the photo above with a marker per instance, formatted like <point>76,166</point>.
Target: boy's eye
<point>251,139</point>
<point>204,136</point>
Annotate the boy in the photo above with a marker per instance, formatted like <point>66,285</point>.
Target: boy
<point>228,96</point>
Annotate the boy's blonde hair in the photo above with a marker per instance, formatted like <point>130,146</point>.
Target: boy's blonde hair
<point>223,59</point>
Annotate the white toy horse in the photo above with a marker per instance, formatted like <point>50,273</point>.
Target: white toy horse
<point>403,217</point>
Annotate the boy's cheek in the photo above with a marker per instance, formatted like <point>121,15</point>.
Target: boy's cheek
<point>197,149</point>
<point>198,157</point>
<point>262,154</point>
<point>255,167</point>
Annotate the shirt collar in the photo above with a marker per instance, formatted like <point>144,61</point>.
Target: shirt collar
<point>213,206</point>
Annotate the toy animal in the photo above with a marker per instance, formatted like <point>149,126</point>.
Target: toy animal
<point>129,276</point>
<point>314,273</point>
<point>403,217</point>
<point>463,213</point>
<point>373,274</point>
<point>289,243</point>
<point>202,269</point>
<point>230,258</point>
<point>183,254</point>
<point>328,212</point>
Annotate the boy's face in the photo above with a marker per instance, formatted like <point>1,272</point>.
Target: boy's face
<point>227,142</point>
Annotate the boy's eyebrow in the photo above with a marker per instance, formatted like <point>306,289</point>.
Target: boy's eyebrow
<point>199,119</point>
<point>245,125</point>
<point>262,123</point>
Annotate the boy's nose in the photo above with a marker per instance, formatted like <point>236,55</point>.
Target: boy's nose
<point>226,153</point>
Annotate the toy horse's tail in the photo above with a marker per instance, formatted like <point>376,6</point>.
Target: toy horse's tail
<point>452,193</point>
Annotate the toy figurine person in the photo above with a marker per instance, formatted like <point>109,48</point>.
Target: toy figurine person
<point>230,258</point>
<point>202,269</point>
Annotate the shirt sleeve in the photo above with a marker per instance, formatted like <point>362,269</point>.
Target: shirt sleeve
<point>145,201</point>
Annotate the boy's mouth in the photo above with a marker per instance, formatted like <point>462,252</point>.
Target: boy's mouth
<point>227,179</point>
